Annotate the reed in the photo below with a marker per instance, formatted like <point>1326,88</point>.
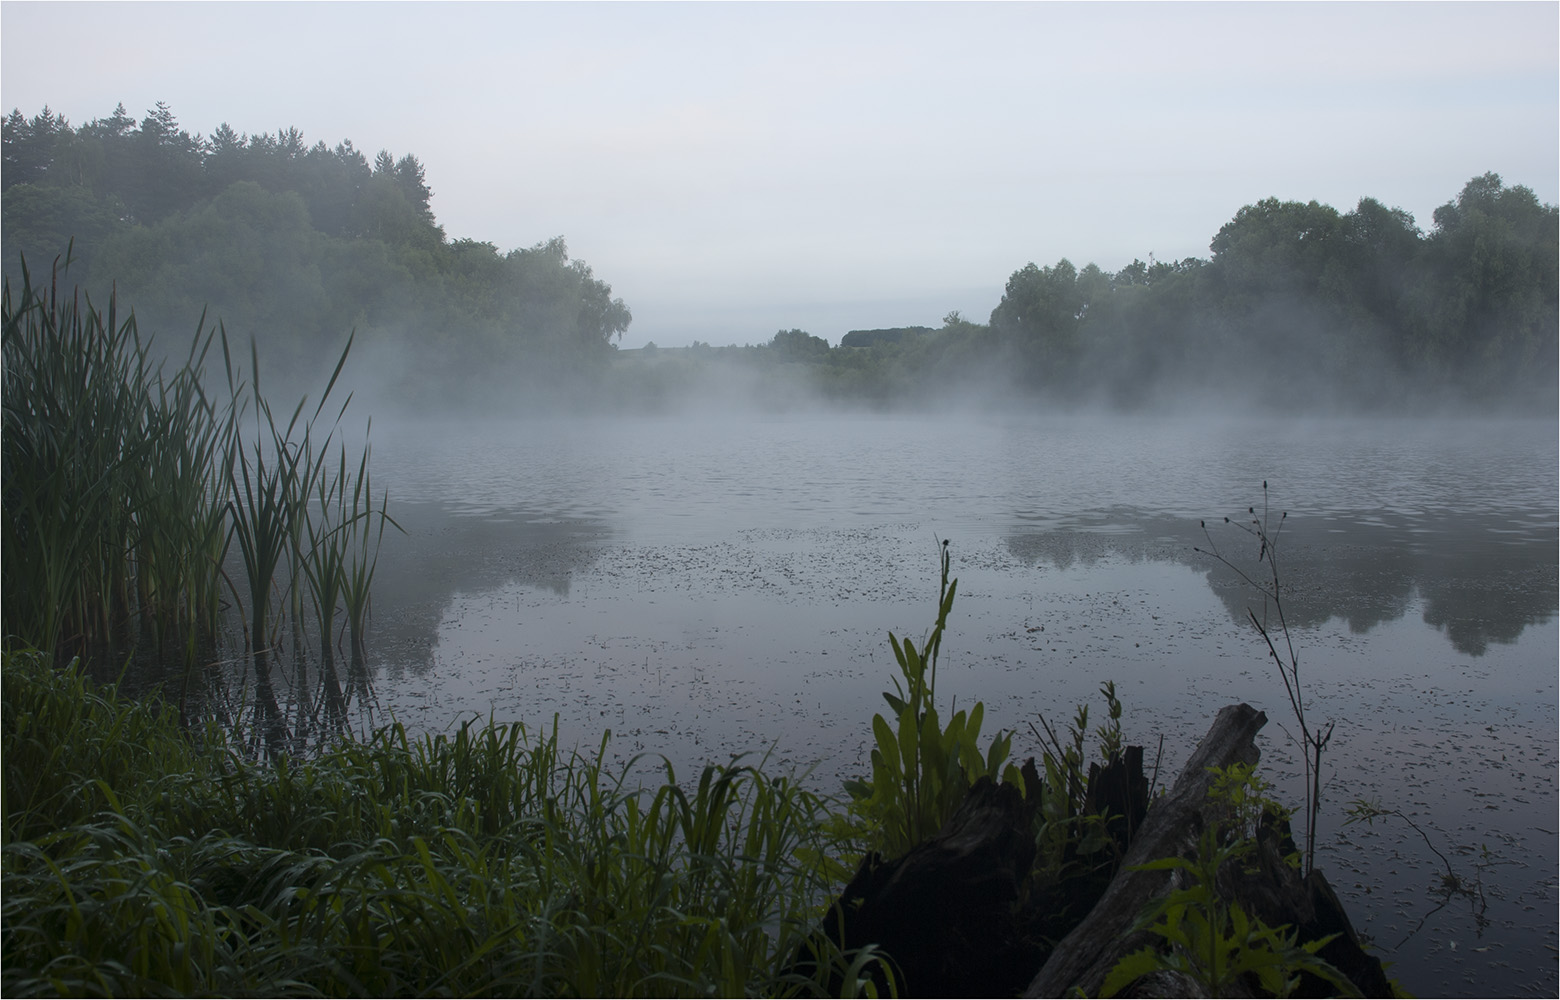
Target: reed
<point>361,560</point>
<point>128,479</point>
<point>324,565</point>
<point>110,509</point>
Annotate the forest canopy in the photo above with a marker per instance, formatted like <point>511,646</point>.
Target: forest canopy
<point>1298,306</point>
<point>297,245</point>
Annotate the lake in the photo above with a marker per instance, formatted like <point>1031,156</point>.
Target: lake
<point>707,585</point>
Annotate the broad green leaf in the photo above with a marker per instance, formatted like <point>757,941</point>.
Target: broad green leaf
<point>909,739</point>
<point>932,752</point>
<point>887,744</point>
<point>1001,746</point>
<point>1129,970</point>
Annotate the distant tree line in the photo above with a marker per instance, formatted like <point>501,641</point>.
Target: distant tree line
<point>1301,305</point>
<point>1298,306</point>
<point>891,335</point>
<point>298,244</point>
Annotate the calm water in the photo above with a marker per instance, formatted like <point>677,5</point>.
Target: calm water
<point>707,586</point>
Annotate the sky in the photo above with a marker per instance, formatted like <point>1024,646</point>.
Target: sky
<point>734,169</point>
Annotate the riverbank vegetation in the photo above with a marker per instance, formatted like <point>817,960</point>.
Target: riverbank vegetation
<point>164,845</point>
<point>142,857</point>
<point>1298,306</point>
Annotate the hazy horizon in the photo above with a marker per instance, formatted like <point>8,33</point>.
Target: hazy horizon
<point>732,170</point>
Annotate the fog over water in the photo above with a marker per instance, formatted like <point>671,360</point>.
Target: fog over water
<point>1124,264</point>
<point>706,587</point>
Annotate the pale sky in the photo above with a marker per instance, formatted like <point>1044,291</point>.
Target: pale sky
<point>736,169</point>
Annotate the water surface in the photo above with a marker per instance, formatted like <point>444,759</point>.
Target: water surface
<point>710,586</point>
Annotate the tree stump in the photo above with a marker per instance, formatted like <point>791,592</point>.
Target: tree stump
<point>944,912</point>
<point>1170,829</point>
<point>958,915</point>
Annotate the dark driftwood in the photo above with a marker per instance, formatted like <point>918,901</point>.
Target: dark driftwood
<point>1119,792</point>
<point>1170,829</point>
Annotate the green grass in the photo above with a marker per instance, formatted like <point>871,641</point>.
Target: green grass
<point>141,860</point>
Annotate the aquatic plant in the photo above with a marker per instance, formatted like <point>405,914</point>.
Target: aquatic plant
<point>1451,882</point>
<point>1074,839</point>
<point>921,769</point>
<point>126,485</point>
<point>360,560</point>
<point>272,478</point>
<point>112,499</point>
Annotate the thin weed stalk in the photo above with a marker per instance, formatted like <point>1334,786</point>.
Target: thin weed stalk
<point>1312,741</point>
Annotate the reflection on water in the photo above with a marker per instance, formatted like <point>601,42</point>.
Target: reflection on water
<point>1461,514</point>
<point>717,587</point>
<point>443,553</point>
<point>1481,581</point>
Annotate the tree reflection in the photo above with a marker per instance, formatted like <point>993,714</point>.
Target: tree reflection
<point>1480,583</point>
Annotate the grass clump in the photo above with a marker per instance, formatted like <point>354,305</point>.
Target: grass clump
<point>129,478</point>
<point>487,862</point>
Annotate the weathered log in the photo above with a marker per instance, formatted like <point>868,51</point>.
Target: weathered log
<point>1119,791</point>
<point>1170,829</point>
<point>1344,953</point>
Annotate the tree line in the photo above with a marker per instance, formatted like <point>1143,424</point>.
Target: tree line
<point>296,245</point>
<point>1297,306</point>
<point>1305,304</point>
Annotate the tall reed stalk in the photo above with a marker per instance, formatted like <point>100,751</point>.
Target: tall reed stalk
<point>112,520</point>
<point>329,530</point>
<point>358,572</point>
<point>126,483</point>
